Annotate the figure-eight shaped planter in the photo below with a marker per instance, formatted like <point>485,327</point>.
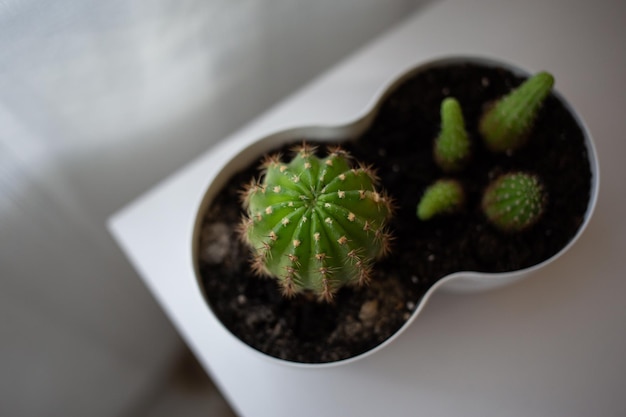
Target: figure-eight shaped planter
<point>240,155</point>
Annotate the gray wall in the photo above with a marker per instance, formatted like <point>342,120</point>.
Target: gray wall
<point>99,100</point>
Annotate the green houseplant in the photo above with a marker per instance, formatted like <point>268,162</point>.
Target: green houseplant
<point>514,201</point>
<point>454,244</point>
<point>315,224</point>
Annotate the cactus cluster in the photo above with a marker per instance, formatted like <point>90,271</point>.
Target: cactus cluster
<point>315,223</point>
<point>514,201</point>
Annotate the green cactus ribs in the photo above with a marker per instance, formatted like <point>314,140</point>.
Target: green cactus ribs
<point>315,223</point>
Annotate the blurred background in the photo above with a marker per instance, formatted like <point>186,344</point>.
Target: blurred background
<point>99,101</point>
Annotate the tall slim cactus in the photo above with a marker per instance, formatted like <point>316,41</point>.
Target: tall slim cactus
<point>316,223</point>
<point>452,145</point>
<point>506,124</point>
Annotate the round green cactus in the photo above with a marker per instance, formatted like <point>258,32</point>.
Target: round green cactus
<point>316,223</point>
<point>515,201</point>
<point>444,196</point>
<point>506,124</point>
<point>452,146</point>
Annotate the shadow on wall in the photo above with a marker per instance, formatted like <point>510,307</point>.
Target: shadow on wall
<point>98,102</point>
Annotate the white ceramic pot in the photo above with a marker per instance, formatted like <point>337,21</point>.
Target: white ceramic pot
<point>239,155</point>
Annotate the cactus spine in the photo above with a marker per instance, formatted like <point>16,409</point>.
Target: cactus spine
<point>452,146</point>
<point>316,224</point>
<point>444,196</point>
<point>515,201</point>
<point>506,124</point>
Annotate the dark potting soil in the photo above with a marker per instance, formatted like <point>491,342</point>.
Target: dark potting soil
<point>399,145</point>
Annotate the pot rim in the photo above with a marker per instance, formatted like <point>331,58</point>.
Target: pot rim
<point>473,281</point>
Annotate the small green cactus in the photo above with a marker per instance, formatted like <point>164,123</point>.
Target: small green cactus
<point>444,196</point>
<point>452,146</point>
<point>515,201</point>
<point>506,124</point>
<point>316,224</point>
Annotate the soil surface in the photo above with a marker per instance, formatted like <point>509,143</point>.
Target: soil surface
<point>399,145</point>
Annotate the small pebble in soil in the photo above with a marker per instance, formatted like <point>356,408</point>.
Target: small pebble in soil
<point>260,314</point>
<point>353,329</point>
<point>368,311</point>
<point>215,238</point>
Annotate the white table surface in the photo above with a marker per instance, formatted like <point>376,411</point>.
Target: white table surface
<point>553,344</point>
